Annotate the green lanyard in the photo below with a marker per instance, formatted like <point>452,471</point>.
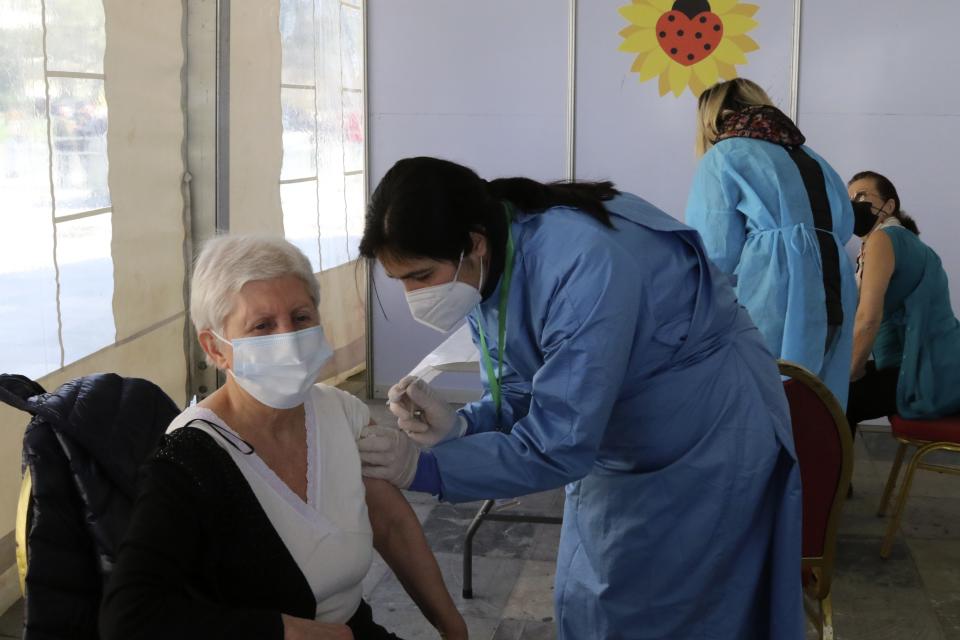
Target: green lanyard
<point>495,381</point>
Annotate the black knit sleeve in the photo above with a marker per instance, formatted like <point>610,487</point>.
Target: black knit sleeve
<point>153,591</point>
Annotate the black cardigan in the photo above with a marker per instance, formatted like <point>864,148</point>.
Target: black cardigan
<point>201,560</point>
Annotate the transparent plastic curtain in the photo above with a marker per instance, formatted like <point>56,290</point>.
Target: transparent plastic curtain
<point>91,202</point>
<point>56,273</point>
<point>322,185</point>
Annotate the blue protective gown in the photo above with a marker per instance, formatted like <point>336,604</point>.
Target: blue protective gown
<point>632,376</point>
<point>751,208</point>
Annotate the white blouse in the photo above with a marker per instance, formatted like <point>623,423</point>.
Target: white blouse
<point>329,535</point>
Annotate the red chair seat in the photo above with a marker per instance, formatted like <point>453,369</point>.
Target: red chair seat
<point>937,430</point>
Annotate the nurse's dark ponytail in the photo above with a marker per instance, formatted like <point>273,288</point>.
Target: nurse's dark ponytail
<point>531,196</point>
<point>427,207</point>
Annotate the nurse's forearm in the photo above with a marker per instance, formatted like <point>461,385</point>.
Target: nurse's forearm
<point>398,537</point>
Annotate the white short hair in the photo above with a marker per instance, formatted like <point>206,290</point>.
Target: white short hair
<point>228,262</point>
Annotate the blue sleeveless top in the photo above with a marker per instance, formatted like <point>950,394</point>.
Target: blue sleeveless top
<point>919,332</point>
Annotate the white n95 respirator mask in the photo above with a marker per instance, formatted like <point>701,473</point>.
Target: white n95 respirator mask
<point>279,369</point>
<point>442,306</point>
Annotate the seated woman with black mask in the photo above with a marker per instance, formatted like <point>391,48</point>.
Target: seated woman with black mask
<point>904,317</point>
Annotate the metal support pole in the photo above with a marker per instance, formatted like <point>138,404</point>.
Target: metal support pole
<point>795,66</point>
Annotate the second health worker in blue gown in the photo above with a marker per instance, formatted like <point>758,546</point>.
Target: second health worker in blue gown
<point>775,216</point>
<point>617,362</point>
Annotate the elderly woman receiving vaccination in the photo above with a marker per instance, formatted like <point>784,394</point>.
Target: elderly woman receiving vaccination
<point>253,520</point>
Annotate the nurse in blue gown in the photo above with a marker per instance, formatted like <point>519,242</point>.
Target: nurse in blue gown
<point>617,362</point>
<point>775,216</point>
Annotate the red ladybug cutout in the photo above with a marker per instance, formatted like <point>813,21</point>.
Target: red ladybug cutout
<point>689,32</point>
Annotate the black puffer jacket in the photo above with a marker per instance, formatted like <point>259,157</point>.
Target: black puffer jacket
<point>84,448</point>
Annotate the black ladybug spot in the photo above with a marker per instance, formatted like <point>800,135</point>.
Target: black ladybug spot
<point>716,27</point>
<point>673,51</point>
<point>689,56</point>
<point>680,33</point>
<point>663,34</point>
<point>698,35</point>
<point>703,19</point>
<point>706,47</point>
<point>671,18</point>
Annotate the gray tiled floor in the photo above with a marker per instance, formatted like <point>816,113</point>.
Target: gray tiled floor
<point>915,594</point>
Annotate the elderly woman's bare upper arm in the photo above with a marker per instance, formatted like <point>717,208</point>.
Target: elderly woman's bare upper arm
<point>388,508</point>
<point>385,503</point>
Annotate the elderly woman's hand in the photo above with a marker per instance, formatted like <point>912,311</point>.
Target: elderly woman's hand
<point>303,629</point>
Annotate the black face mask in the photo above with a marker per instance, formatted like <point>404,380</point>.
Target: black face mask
<point>863,218</point>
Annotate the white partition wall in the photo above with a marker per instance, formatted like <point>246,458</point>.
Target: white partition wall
<point>489,85</point>
<point>627,132</point>
<point>878,91</point>
<point>481,83</point>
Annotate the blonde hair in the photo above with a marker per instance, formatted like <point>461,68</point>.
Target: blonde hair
<point>228,262</point>
<point>731,95</point>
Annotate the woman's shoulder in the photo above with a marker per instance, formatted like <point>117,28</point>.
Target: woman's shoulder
<point>189,464</point>
<point>329,401</point>
<point>546,237</point>
<point>189,449</point>
<point>736,148</point>
<point>902,240</point>
<point>194,413</point>
<point>324,394</point>
<point>741,159</point>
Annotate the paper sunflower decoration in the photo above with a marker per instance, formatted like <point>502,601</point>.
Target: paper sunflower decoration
<point>688,43</point>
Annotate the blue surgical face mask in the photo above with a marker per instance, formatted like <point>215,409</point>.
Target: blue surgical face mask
<point>279,369</point>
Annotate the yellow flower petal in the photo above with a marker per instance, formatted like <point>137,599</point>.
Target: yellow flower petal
<point>638,62</point>
<point>734,25</point>
<point>729,52</point>
<point>745,43</point>
<point>664,84</point>
<point>748,10</point>
<point>696,87</point>
<point>726,71</point>
<point>679,77</point>
<point>628,31</point>
<point>706,72</point>
<point>721,7</point>
<point>656,63</point>
<point>643,40</point>
<point>641,15</point>
<point>661,5</point>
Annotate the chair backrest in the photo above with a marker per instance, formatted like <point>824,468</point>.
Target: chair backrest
<point>82,451</point>
<point>824,448</point>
